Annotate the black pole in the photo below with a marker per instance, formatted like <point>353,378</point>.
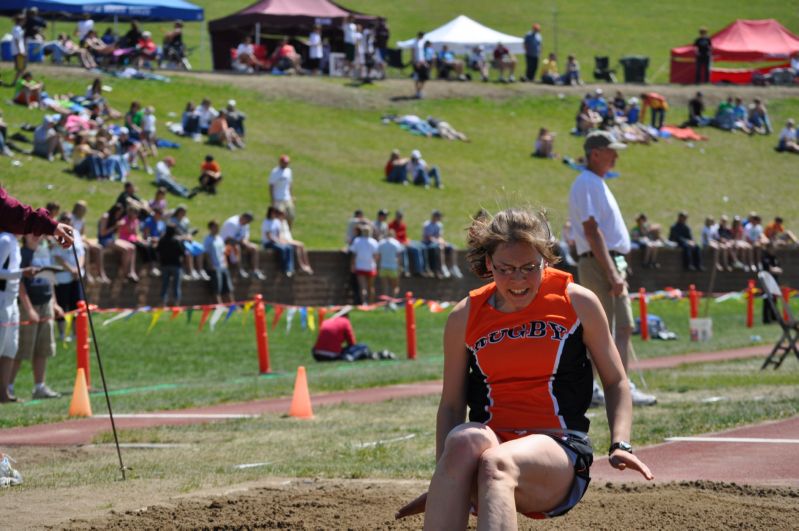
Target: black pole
<point>99,360</point>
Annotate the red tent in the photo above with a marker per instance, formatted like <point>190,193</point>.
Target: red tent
<point>294,18</point>
<point>743,41</point>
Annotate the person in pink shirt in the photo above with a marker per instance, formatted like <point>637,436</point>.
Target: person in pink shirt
<point>129,232</point>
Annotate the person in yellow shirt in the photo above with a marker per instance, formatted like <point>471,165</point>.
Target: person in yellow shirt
<point>551,75</point>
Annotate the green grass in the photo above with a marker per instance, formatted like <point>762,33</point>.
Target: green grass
<point>339,147</point>
<point>583,27</point>
<point>175,366</point>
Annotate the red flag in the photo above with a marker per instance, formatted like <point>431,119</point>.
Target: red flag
<point>276,318</point>
<point>204,318</point>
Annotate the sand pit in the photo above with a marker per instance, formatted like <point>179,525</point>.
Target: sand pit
<point>370,504</point>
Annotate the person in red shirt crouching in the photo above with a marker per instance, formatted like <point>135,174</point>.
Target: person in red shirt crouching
<point>336,341</point>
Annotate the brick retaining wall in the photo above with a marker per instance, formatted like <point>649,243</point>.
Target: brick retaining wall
<point>331,283</point>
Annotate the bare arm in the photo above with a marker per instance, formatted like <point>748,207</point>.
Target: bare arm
<point>596,240</point>
<point>619,406</point>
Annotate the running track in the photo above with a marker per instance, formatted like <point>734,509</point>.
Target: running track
<point>766,453</point>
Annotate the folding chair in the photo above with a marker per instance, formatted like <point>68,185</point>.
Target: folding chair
<point>602,70</point>
<point>790,328</point>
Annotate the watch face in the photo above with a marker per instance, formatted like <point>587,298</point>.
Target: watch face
<point>627,447</point>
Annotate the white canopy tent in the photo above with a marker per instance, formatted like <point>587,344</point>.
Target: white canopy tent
<point>462,34</point>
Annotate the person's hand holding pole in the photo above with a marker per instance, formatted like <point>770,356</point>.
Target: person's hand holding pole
<point>63,235</point>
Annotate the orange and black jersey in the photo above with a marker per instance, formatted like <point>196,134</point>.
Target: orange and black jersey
<point>528,370</point>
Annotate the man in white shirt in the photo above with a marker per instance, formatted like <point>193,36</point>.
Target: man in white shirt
<point>236,235</point>
<point>206,114</point>
<point>421,68</point>
<point>602,241</point>
<point>84,27</point>
<point>349,29</point>
<point>315,50</point>
<point>280,188</point>
<point>10,275</point>
<point>18,48</point>
<point>245,57</point>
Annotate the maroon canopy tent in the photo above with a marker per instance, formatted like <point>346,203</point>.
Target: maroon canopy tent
<point>743,41</point>
<point>278,17</point>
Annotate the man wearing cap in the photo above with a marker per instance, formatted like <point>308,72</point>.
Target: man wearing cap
<point>280,180</point>
<point>421,173</point>
<point>602,241</point>
<point>532,51</point>
<point>680,233</point>
<point>235,118</point>
<point>46,140</point>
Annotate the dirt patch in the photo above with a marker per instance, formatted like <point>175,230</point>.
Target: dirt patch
<point>370,504</point>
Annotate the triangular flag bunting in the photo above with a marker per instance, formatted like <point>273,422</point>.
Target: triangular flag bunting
<point>204,317</point>
<point>121,315</point>
<point>290,317</point>
<point>311,320</point>
<point>156,316</point>
<point>189,313</point>
<point>276,318</point>
<point>303,317</point>
<point>216,316</point>
<point>230,311</point>
<point>175,313</point>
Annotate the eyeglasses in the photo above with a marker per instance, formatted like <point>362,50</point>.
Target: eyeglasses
<point>525,270</point>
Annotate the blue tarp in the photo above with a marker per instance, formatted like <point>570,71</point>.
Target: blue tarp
<point>108,9</point>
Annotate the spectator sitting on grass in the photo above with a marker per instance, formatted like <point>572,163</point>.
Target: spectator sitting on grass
<point>587,120</point>
<point>363,263</point>
<point>696,109</point>
<point>163,177</point>
<point>740,117</point>
<point>544,144</point>
<point>131,153</point>
<point>235,118</point>
<point>787,141</point>
<point>633,113</point>
<point>550,74</point>
<point>235,232</point>
<point>210,175</point>
<point>46,140</point>
<point>680,233</point>
<point>159,200</point>
<point>396,169</point>
<point>170,257</point>
<point>389,251</point>
<point>758,118</point>
<point>572,75</point>
<point>285,57</point>
<point>421,172</point>
<point>205,115</point>
<point>28,92</point>
<point>221,134</point>
<point>504,61</point>
<point>214,246</point>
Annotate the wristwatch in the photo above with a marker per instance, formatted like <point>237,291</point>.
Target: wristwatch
<point>621,445</point>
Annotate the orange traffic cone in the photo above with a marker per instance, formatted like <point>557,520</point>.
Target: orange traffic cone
<point>301,402</point>
<point>80,405</point>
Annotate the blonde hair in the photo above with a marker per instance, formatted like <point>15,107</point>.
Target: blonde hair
<point>512,225</point>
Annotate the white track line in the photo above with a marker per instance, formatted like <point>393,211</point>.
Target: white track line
<point>179,416</point>
<point>733,440</point>
<point>373,444</point>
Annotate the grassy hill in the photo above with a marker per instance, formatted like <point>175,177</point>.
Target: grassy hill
<point>583,27</point>
<point>339,145</point>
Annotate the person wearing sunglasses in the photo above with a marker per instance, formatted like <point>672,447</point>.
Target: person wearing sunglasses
<point>515,356</point>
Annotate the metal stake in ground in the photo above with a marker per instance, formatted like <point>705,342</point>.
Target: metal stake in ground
<point>99,360</point>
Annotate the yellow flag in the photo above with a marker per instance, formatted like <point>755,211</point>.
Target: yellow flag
<point>418,303</point>
<point>156,315</point>
<point>311,320</point>
<point>247,307</point>
<point>68,317</point>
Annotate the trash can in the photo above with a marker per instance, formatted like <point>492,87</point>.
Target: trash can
<point>634,68</point>
<point>5,50</point>
<point>35,51</point>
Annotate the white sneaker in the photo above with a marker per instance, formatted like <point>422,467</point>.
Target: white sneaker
<point>641,398</point>
<point>243,274</point>
<point>456,272</point>
<point>598,396</point>
<point>8,475</point>
<point>195,275</point>
<point>204,275</point>
<point>257,273</point>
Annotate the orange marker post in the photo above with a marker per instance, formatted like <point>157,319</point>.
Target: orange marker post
<point>693,299</point>
<point>410,326</point>
<point>643,314</point>
<point>261,337</point>
<point>82,341</point>
<point>750,304</point>
<point>786,299</point>
<point>322,313</point>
